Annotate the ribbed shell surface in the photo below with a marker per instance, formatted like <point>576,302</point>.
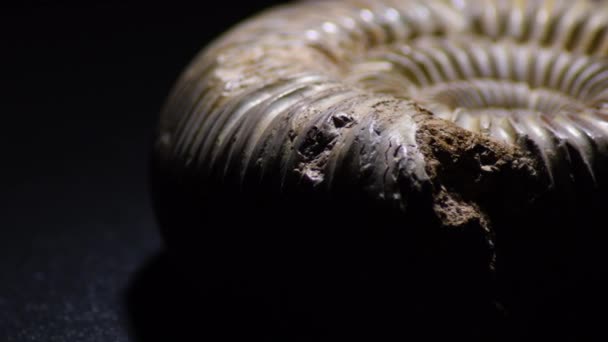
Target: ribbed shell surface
<point>307,91</point>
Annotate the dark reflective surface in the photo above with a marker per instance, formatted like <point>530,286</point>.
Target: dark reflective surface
<point>82,85</point>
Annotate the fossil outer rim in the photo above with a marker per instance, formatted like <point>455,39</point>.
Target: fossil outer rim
<point>316,95</point>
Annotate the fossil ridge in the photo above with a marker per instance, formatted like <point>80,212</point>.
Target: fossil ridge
<point>456,115</point>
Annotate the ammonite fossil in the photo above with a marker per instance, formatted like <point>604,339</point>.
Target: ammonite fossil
<point>406,125</point>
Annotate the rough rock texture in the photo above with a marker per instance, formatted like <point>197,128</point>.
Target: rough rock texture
<point>468,169</point>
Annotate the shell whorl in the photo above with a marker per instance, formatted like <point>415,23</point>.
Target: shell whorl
<point>453,130</point>
<point>323,94</point>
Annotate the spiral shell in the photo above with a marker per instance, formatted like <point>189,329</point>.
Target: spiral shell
<point>468,109</point>
<point>321,93</point>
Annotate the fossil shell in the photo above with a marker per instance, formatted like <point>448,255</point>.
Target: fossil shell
<point>311,93</point>
<point>397,100</point>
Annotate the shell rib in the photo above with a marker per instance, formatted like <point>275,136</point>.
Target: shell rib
<point>401,104</point>
<point>321,93</point>
<point>472,120</point>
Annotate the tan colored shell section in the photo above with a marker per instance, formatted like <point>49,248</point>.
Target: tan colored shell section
<point>311,93</point>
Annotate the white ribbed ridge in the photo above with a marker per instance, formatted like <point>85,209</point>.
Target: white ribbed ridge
<point>305,92</point>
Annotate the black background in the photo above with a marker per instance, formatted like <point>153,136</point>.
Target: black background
<point>80,253</point>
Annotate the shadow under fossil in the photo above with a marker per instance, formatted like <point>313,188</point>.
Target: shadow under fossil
<point>549,284</point>
<point>165,304</point>
<point>169,302</point>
